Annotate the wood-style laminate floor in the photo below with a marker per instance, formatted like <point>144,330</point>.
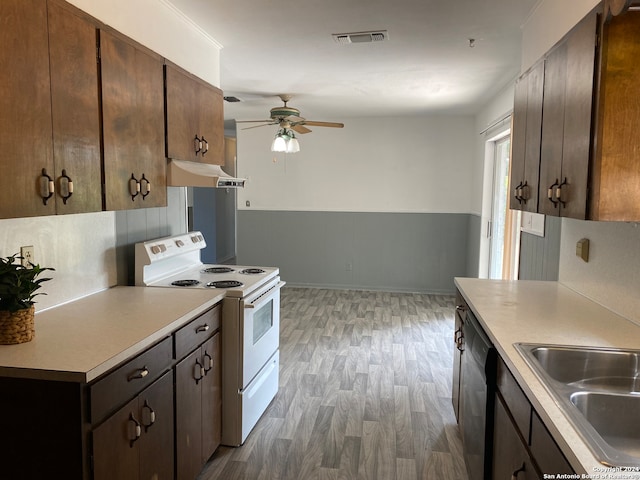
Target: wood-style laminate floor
<point>365,392</point>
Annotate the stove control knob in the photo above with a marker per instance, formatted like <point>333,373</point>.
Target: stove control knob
<point>155,249</point>
<point>163,247</point>
<point>179,243</point>
<point>194,238</point>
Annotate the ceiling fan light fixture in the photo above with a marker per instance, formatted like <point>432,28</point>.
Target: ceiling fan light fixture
<point>285,141</point>
<point>292,145</point>
<point>279,144</point>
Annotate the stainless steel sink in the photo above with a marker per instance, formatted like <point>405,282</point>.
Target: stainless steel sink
<point>599,391</point>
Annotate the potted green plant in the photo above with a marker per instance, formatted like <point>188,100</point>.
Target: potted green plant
<point>18,285</point>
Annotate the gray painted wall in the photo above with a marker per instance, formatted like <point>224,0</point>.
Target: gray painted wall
<point>134,226</point>
<point>214,214</point>
<point>413,252</point>
<point>540,256</point>
<point>473,245</point>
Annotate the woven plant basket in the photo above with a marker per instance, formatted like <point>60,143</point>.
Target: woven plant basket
<point>17,327</point>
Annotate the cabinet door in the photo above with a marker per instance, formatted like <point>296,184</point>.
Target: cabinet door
<point>211,397</point>
<point>535,82</point>
<point>155,405</point>
<point>510,458</point>
<point>189,379</point>
<point>182,118</point>
<point>25,108</point>
<point>212,123</point>
<point>526,136</point>
<point>133,123</point>
<point>75,110</point>
<point>581,47</point>
<point>115,452</point>
<point>194,109</point>
<point>555,79</point>
<point>616,179</point>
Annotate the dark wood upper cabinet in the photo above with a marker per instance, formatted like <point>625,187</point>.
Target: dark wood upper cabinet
<point>195,121</point>
<point>589,147</point>
<point>616,159</point>
<point>566,126</point>
<point>25,109</point>
<point>133,124</point>
<point>525,150</point>
<point>50,124</point>
<point>75,110</point>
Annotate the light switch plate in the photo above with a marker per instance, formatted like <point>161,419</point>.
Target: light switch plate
<point>582,249</point>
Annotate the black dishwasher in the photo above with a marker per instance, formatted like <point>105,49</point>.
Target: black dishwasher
<point>477,398</point>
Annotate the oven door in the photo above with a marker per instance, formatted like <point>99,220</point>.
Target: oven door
<point>259,329</point>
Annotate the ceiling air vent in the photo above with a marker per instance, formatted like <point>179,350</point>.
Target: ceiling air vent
<point>360,37</point>
<point>231,99</point>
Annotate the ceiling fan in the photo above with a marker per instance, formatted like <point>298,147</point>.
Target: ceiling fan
<point>289,118</point>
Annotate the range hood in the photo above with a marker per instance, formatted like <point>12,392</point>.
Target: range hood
<point>193,174</point>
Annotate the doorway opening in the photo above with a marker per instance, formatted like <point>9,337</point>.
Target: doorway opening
<point>503,232</point>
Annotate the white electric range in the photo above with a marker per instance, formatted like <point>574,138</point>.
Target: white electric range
<point>250,326</point>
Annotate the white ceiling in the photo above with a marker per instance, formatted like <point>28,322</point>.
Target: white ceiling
<point>425,67</point>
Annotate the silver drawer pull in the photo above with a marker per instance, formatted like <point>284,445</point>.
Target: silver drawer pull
<point>202,328</point>
<point>140,373</point>
<point>135,431</point>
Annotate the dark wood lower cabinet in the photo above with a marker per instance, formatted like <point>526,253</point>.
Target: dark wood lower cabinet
<point>510,457</point>
<point>137,441</point>
<point>198,408</point>
<point>523,448</point>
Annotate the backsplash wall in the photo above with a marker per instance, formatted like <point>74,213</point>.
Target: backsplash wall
<point>80,247</point>
<point>92,251</point>
<point>611,277</point>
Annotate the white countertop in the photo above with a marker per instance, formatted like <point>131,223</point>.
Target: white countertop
<point>547,312</point>
<point>81,340</point>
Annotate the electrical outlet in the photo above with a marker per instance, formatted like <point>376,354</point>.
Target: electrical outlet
<point>27,255</point>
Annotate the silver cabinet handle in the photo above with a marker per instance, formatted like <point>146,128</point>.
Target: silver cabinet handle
<point>137,430</point>
<point>140,373</point>
<point>202,328</point>
<point>514,475</point>
<point>551,191</point>
<point>134,187</point>
<point>559,192</point>
<point>66,186</point>
<point>145,186</point>
<point>47,186</point>
<point>205,147</point>
<point>148,416</point>
<point>198,371</point>
<point>208,362</point>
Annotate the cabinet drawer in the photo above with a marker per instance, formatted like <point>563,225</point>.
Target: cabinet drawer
<point>197,331</point>
<point>515,399</point>
<point>128,380</point>
<point>545,450</point>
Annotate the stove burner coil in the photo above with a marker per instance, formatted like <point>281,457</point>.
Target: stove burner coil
<point>225,284</point>
<point>217,270</point>
<point>252,271</point>
<point>185,283</point>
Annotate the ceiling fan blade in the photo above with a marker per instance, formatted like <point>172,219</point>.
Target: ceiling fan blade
<point>323,124</point>
<point>300,128</point>
<point>253,121</point>
<point>256,126</point>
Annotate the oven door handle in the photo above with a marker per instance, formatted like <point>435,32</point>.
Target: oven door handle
<point>261,298</point>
